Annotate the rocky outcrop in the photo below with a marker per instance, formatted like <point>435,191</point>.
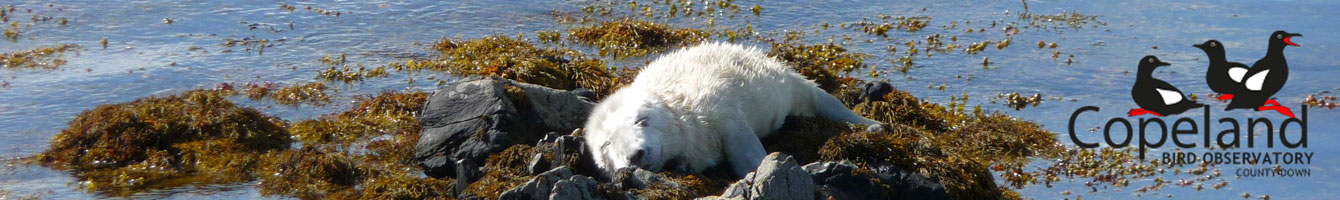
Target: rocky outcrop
<point>559,183</point>
<point>473,118</point>
<point>842,180</point>
<point>875,91</point>
<point>777,177</point>
<point>576,187</point>
<point>638,178</point>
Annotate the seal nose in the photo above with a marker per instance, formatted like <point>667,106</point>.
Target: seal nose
<point>636,159</point>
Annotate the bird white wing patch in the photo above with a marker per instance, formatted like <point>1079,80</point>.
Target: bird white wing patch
<point>1237,73</point>
<point>1170,97</point>
<point>1254,83</point>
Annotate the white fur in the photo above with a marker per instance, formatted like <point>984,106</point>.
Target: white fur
<point>704,105</point>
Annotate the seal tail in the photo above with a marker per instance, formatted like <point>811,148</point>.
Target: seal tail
<point>830,107</point>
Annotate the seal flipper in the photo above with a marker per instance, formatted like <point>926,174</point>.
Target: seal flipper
<point>743,150</point>
<point>829,107</point>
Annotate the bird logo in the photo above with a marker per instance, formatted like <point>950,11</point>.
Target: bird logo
<point>1224,77</point>
<point>1155,96</point>
<point>1246,87</point>
<point>1260,82</point>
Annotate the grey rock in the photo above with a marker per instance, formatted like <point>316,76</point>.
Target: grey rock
<point>840,180</point>
<point>717,198</point>
<point>584,93</point>
<point>637,178</point>
<point>539,187</point>
<point>777,177</point>
<point>576,187</point>
<point>739,189</point>
<point>876,91</point>
<point>537,164</point>
<point>548,138</point>
<point>461,184</point>
<point>559,183</point>
<point>908,184</point>
<point>475,117</point>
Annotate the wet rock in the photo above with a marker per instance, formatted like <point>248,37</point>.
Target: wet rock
<point>739,189</point>
<point>537,164</point>
<point>585,93</point>
<point>718,198</point>
<point>777,177</point>
<point>638,178</point>
<point>559,183</point>
<point>539,187</point>
<point>476,117</point>
<point>548,138</point>
<point>908,184</point>
<point>461,183</point>
<point>841,180</point>
<point>876,91</point>
<point>575,188</point>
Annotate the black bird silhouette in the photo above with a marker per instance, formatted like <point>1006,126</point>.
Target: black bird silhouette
<point>1155,96</point>
<point>1223,77</point>
<point>1266,77</point>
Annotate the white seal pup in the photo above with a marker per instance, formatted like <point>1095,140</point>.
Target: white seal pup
<point>695,107</point>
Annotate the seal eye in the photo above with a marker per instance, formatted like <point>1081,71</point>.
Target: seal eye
<point>641,121</point>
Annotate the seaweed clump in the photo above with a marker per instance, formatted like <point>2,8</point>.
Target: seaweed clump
<point>960,148</point>
<point>339,71</point>
<point>160,142</point>
<point>628,37</point>
<point>506,169</point>
<point>519,60</point>
<point>40,58</point>
<point>826,64</point>
<point>956,147</point>
<point>319,173</point>
<point>1074,20</point>
<point>390,113</point>
<point>362,153</point>
<point>313,93</point>
<point>689,185</point>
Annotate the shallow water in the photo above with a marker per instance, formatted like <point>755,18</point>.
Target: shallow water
<point>146,56</point>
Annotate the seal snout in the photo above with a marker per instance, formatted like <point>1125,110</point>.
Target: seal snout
<point>636,158</point>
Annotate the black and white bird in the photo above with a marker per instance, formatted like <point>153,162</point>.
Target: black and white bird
<point>1155,96</point>
<point>1223,77</point>
<point>1266,77</point>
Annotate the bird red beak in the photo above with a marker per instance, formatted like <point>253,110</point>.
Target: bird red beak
<point>1286,39</point>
